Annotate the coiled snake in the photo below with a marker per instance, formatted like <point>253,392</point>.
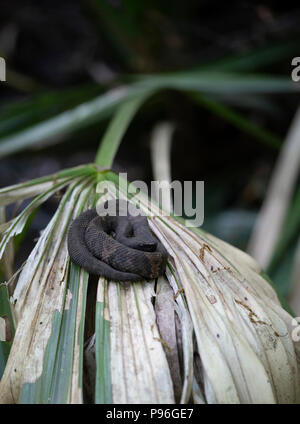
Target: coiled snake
<point>119,247</point>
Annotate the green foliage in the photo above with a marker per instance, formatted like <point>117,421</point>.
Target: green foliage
<point>6,316</point>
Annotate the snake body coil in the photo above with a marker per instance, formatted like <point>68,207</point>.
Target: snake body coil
<point>120,248</point>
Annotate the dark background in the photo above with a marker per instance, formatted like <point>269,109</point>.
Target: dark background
<point>57,46</point>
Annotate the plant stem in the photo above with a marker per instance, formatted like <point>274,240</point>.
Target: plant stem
<point>117,127</point>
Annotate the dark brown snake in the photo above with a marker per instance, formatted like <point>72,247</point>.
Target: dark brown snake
<point>120,248</point>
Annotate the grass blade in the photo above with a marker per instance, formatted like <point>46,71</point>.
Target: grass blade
<point>116,129</point>
<point>7,329</point>
<point>290,230</point>
<point>103,389</point>
<point>104,105</point>
<point>237,120</point>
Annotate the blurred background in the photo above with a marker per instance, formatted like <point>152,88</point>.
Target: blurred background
<point>62,54</point>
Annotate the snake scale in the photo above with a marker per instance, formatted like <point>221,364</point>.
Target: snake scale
<point>120,247</point>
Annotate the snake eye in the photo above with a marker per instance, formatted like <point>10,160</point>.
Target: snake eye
<point>149,247</point>
<point>130,233</point>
